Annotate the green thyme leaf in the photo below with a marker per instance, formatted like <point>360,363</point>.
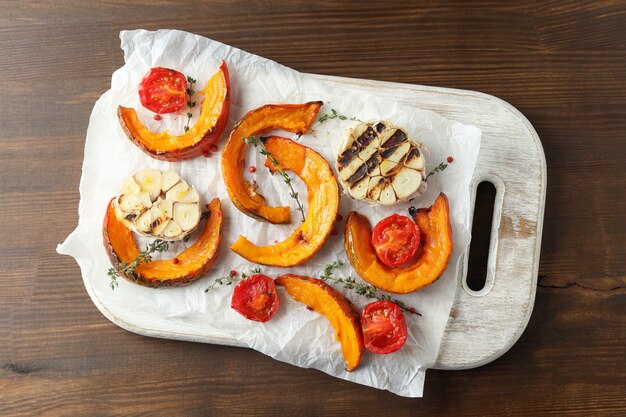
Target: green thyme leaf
<point>230,279</point>
<point>254,141</point>
<point>335,115</point>
<point>366,290</point>
<point>190,104</point>
<point>442,166</point>
<point>129,269</point>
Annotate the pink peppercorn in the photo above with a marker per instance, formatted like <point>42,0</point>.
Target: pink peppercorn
<point>450,159</point>
<point>252,169</point>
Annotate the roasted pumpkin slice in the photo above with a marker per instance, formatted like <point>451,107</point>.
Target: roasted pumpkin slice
<point>436,240</point>
<point>324,299</point>
<point>295,118</point>
<point>190,264</point>
<point>323,198</point>
<point>199,138</point>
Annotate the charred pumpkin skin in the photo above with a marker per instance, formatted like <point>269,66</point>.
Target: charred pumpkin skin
<point>192,264</point>
<point>295,118</point>
<point>327,301</point>
<point>437,246</point>
<point>198,139</point>
<point>323,198</point>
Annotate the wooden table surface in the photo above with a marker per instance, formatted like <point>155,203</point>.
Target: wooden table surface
<point>561,63</point>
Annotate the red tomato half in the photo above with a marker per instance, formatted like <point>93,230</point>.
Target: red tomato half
<point>384,327</point>
<point>255,298</point>
<point>163,90</point>
<point>395,239</point>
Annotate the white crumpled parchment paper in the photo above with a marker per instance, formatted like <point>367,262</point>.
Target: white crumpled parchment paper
<point>295,335</point>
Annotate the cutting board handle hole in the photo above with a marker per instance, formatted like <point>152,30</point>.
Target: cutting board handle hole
<point>481,232</point>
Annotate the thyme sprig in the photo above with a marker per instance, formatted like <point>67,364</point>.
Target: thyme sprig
<point>230,279</point>
<point>190,104</point>
<point>254,141</point>
<point>436,169</point>
<point>129,268</point>
<point>365,290</point>
<point>335,115</point>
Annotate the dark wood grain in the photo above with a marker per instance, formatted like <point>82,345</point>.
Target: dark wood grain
<point>562,63</point>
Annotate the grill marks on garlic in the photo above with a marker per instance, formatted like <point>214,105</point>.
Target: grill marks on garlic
<point>378,162</point>
<point>159,204</point>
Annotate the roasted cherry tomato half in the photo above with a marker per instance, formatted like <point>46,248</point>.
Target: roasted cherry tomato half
<point>163,90</point>
<point>395,239</point>
<point>384,327</point>
<point>255,298</point>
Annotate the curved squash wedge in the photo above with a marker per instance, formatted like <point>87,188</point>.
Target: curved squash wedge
<point>295,118</point>
<point>192,263</point>
<point>199,138</point>
<point>436,236</point>
<point>323,198</point>
<point>324,299</point>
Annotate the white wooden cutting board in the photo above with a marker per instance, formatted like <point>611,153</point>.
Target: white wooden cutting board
<point>482,325</point>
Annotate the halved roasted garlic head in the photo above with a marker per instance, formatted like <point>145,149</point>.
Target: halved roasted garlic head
<point>378,162</point>
<point>158,204</point>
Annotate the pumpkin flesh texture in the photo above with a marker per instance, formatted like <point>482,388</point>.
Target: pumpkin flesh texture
<point>437,247</point>
<point>327,301</point>
<point>323,202</point>
<point>295,118</point>
<point>199,138</point>
<point>192,263</point>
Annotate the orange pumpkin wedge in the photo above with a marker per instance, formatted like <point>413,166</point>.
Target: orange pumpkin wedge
<point>191,264</point>
<point>198,139</point>
<point>437,246</point>
<point>324,299</point>
<point>295,118</point>
<point>323,198</point>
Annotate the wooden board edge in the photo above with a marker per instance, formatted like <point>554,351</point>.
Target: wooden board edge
<point>445,352</point>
